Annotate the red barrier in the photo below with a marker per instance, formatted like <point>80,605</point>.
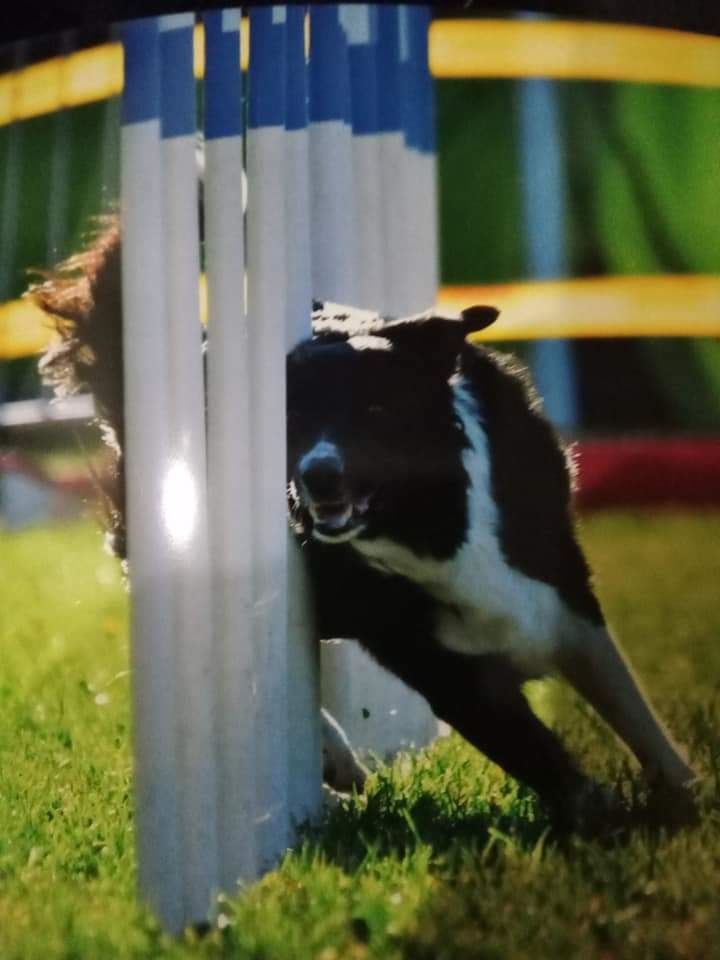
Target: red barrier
<point>75,483</point>
<point>612,472</point>
<point>648,472</point>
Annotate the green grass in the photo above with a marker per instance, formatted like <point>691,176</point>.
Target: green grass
<point>444,858</point>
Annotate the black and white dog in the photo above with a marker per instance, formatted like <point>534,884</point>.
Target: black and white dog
<point>433,502</point>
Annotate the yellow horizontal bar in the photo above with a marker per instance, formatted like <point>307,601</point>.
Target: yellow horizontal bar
<point>61,82</point>
<point>568,50</point>
<point>457,49</point>
<point>657,306</point>
<point>79,78</point>
<point>24,330</point>
<point>653,306</point>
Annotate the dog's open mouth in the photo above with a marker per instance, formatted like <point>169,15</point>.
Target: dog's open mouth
<point>338,520</point>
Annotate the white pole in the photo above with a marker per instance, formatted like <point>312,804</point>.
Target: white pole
<point>185,490</point>
<point>229,460</point>
<point>268,341</point>
<point>304,747</point>
<point>147,461</point>
<point>379,713</point>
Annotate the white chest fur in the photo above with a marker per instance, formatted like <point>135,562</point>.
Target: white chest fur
<point>484,605</point>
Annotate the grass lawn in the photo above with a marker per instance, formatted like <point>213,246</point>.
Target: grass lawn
<point>444,858</point>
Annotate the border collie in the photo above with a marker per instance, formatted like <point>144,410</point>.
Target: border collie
<point>433,502</point>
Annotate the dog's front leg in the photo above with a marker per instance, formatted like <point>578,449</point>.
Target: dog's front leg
<point>482,698</point>
<point>589,659</point>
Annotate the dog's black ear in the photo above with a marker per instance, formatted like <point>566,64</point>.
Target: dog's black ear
<point>478,318</point>
<point>434,341</point>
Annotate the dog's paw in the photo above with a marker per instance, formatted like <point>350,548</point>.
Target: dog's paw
<point>673,806</point>
<point>593,811</point>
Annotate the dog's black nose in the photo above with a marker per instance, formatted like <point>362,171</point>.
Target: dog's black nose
<point>323,476</point>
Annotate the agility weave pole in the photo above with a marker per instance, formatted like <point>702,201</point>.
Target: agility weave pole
<point>166,509</point>
<point>225,666</point>
<point>366,163</point>
<point>229,458</point>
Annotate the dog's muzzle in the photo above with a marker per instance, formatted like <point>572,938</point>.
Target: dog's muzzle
<point>323,489</point>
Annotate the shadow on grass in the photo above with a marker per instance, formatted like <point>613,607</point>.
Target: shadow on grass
<point>503,883</point>
<point>385,823</point>
<point>388,822</point>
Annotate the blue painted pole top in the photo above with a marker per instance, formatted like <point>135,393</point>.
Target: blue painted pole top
<point>329,72</point>
<point>388,53</point>
<point>266,72</point>
<point>141,49</point>
<point>223,78</point>
<point>416,82</point>
<point>177,91</point>
<point>360,23</point>
<point>296,93</point>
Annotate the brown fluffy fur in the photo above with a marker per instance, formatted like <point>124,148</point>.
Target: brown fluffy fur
<point>83,299</point>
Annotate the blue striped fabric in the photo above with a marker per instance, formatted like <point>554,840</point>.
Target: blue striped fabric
<point>141,93</point>
<point>296,104</point>
<point>267,67</point>
<point>223,79</point>
<point>329,73</point>
<point>416,83</point>
<point>177,98</point>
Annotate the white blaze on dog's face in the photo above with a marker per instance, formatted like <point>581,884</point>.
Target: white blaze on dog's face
<point>373,439</point>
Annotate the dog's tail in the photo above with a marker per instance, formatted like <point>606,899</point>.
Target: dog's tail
<point>83,298</point>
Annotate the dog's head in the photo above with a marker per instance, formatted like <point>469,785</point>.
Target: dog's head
<point>371,421</point>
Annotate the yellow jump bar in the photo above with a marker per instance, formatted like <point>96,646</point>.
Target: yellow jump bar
<point>79,78</point>
<point>567,50</point>
<point>457,49</point>
<point>652,306</point>
<point>657,306</point>
<point>24,330</point>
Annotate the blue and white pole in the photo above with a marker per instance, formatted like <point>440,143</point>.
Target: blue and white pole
<point>267,306</point>
<point>394,222</point>
<point>304,746</point>
<point>297,182</point>
<point>147,463</point>
<point>230,465</point>
<point>359,22</point>
<point>544,203</point>
<point>418,116</point>
<point>332,204</point>
<point>185,491</point>
<point>208,773</point>
<point>379,713</point>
